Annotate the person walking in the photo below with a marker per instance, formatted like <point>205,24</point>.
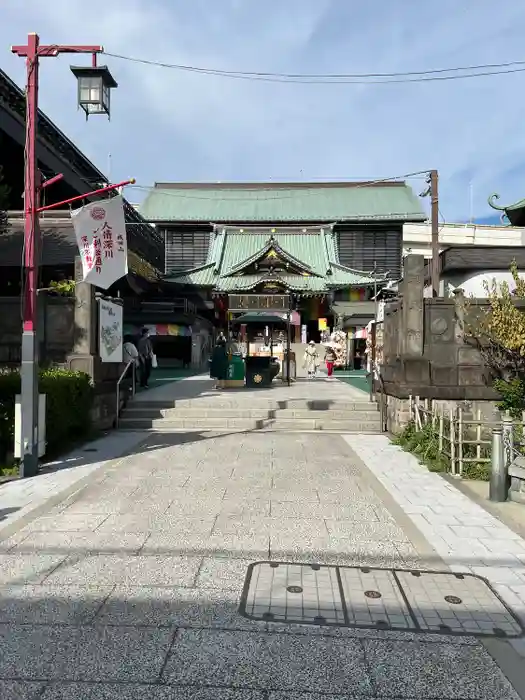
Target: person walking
<point>130,354</point>
<point>330,358</point>
<point>311,360</point>
<point>219,363</point>
<point>145,350</point>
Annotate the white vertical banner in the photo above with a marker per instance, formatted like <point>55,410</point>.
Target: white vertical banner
<point>110,331</point>
<point>100,230</point>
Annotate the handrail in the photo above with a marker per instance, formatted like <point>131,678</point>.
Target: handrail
<point>133,387</point>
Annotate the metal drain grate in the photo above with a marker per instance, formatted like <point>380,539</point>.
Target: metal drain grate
<point>392,599</point>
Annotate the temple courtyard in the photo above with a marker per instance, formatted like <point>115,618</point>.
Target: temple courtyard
<point>257,565</point>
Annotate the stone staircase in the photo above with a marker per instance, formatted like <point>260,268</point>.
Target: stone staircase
<point>261,414</point>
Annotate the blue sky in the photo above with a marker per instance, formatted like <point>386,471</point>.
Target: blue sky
<point>171,125</point>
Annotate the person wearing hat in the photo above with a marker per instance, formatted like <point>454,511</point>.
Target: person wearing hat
<point>311,360</point>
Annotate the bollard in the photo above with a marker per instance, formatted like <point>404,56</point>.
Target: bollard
<point>498,468</point>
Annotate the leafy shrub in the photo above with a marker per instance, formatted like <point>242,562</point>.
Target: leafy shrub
<point>512,394</point>
<point>424,445</point>
<point>69,398</point>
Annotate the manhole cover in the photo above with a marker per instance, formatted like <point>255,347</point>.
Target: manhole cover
<point>453,600</point>
<point>372,594</point>
<point>394,599</point>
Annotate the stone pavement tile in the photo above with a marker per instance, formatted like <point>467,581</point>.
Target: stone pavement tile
<point>78,691</point>
<point>249,525</point>
<point>126,570</point>
<point>266,661</point>
<point>18,690</point>
<point>173,543</point>
<point>156,523</point>
<point>363,530</point>
<point>64,522</point>
<point>27,568</point>
<point>82,653</point>
<point>219,573</point>
<point>344,552</point>
<point>439,671</point>
<point>360,512</point>
<point>363,495</point>
<point>247,546</point>
<point>235,509</point>
<point>197,508</point>
<point>43,604</point>
<point>179,607</point>
<point>238,492</point>
<point>297,495</point>
<point>79,542</point>
<point>308,696</point>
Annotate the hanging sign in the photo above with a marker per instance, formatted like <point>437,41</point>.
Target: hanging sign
<point>322,324</point>
<point>110,331</point>
<point>100,230</point>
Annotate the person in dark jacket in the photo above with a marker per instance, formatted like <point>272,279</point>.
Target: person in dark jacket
<point>219,362</point>
<point>145,349</point>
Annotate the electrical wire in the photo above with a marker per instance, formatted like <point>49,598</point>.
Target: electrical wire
<point>459,73</point>
<point>269,188</point>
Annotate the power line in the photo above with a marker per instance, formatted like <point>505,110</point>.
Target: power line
<point>267,187</point>
<point>458,73</point>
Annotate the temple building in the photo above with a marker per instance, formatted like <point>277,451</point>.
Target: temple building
<point>327,245</point>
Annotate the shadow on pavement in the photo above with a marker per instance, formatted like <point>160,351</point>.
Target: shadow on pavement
<point>4,512</point>
<point>130,629</point>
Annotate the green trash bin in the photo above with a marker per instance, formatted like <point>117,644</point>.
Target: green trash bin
<point>236,370</point>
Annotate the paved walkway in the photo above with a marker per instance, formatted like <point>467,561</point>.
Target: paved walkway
<point>200,388</point>
<point>129,588</point>
<point>465,536</point>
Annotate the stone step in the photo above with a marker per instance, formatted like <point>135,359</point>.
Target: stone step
<point>242,404</point>
<point>290,424</point>
<point>136,412</point>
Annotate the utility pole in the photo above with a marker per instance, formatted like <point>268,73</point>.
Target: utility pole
<point>29,373</point>
<point>434,217</point>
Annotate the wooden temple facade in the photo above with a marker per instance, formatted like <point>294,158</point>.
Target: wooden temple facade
<point>327,245</point>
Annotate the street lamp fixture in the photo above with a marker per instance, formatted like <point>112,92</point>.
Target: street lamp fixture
<point>94,89</point>
<point>94,99</point>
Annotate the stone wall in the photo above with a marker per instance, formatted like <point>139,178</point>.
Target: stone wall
<point>424,352</point>
<point>56,329</point>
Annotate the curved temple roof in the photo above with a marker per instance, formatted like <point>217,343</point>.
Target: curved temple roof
<point>311,254</point>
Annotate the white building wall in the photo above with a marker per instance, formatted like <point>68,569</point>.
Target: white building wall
<point>417,238</point>
<point>472,283</point>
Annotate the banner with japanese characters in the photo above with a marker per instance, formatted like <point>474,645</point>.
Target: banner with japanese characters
<point>111,331</point>
<point>100,230</point>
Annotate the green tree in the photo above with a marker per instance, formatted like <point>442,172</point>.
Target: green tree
<point>498,331</point>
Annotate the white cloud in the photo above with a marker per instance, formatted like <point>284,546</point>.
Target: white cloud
<point>168,124</point>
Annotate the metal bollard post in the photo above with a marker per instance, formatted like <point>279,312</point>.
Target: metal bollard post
<point>499,472</point>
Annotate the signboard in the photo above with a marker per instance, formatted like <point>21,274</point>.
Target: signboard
<point>258,302</point>
<point>111,330</point>
<point>322,325</point>
<point>100,230</point>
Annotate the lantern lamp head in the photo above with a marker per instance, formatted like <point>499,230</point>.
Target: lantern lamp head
<point>94,85</point>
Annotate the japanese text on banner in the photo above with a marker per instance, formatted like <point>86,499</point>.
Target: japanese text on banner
<point>100,230</point>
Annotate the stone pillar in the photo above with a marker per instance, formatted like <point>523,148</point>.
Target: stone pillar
<point>412,289</point>
<point>86,317</point>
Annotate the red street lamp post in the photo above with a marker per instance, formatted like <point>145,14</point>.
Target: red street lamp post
<point>94,84</point>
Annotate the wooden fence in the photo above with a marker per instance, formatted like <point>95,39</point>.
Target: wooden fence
<point>463,437</point>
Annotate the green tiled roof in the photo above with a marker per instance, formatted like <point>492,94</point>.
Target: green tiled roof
<point>233,249</point>
<point>227,203</point>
